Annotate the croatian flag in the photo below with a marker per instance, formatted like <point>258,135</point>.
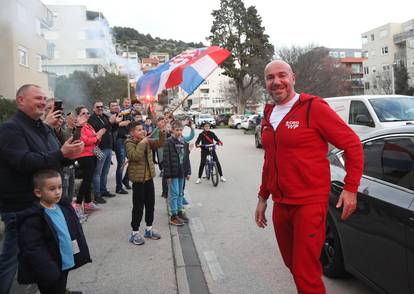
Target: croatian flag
<point>187,70</point>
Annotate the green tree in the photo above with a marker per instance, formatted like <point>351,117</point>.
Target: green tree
<point>401,78</point>
<point>240,31</point>
<point>75,90</point>
<point>110,87</point>
<point>7,109</point>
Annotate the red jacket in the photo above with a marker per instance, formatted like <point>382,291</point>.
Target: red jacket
<point>296,169</point>
<point>88,137</point>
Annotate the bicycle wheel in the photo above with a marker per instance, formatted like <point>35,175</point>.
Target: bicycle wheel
<point>214,175</point>
<point>207,169</point>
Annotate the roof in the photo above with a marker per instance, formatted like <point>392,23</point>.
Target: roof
<point>352,60</point>
<point>406,129</point>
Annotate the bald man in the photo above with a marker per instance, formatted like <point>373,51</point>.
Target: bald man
<point>296,130</point>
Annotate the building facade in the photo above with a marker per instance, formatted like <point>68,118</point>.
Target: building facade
<point>82,42</point>
<point>23,47</point>
<point>210,96</point>
<point>385,47</point>
<point>352,60</point>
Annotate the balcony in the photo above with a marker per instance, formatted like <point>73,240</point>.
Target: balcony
<point>402,37</point>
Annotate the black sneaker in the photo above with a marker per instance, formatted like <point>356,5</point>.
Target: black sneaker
<point>108,194</point>
<point>163,195</point>
<point>126,184</point>
<point>121,191</point>
<point>100,200</point>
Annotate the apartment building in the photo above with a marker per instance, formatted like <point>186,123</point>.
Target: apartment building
<point>161,56</point>
<point>23,47</point>
<point>210,96</point>
<point>385,47</point>
<point>352,60</point>
<point>82,41</point>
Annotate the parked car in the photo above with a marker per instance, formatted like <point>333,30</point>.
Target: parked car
<point>235,121</point>
<point>366,113</point>
<point>249,122</point>
<point>376,243</point>
<point>205,117</point>
<point>223,119</point>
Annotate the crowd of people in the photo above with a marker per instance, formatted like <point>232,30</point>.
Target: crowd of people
<point>44,149</point>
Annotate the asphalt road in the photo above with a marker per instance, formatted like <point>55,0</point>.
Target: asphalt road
<point>236,256</point>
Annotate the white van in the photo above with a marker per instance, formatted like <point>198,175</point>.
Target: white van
<point>372,112</point>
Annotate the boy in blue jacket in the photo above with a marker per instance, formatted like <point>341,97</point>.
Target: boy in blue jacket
<point>50,237</point>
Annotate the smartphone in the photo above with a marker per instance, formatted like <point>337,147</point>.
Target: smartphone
<point>58,105</point>
<point>77,133</point>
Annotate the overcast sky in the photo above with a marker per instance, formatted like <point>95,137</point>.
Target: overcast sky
<point>334,24</point>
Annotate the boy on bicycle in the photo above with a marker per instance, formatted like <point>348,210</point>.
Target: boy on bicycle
<point>205,138</point>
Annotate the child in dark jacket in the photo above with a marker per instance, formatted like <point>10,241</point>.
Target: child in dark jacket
<point>176,169</point>
<point>207,137</point>
<point>50,237</point>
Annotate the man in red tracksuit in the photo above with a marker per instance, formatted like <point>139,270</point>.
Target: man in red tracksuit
<point>296,130</point>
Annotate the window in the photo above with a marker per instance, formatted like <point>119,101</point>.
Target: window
<point>342,54</point>
<point>366,70</point>
<point>372,37</point>
<point>364,40</point>
<point>94,52</point>
<point>357,110</point>
<point>23,57</point>
<point>39,62</point>
<point>398,162</point>
<point>372,159</point>
<point>357,54</point>
<point>384,50</point>
<point>411,43</point>
<point>365,54</point>
<point>383,34</point>
<point>366,85</point>
<point>373,53</point>
<point>385,67</point>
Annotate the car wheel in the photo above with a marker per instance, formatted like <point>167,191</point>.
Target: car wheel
<point>238,126</point>
<point>331,256</point>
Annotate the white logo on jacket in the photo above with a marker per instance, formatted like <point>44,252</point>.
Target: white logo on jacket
<point>292,124</point>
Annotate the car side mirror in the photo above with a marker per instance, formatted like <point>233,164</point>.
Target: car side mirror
<point>364,120</point>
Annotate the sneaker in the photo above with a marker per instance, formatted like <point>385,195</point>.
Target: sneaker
<point>222,179</point>
<point>176,221</point>
<point>99,200</point>
<point>151,234</point>
<point>126,184</point>
<point>121,191</point>
<point>185,202</point>
<point>183,217</point>
<point>91,206</point>
<point>136,239</point>
<point>163,195</point>
<point>198,181</point>
<point>107,194</point>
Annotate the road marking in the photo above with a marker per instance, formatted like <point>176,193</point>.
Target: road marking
<point>214,266</point>
<point>197,225</point>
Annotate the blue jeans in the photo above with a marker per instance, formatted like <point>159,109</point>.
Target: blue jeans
<point>176,194</point>
<point>101,173</point>
<point>120,153</point>
<point>8,254</point>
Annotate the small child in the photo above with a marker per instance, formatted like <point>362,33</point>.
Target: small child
<point>141,172</point>
<point>176,169</point>
<point>50,237</point>
<point>205,138</point>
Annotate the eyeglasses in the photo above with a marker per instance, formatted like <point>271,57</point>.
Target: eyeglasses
<point>98,106</point>
<point>85,113</point>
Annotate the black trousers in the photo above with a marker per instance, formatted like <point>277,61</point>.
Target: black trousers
<point>58,287</point>
<point>87,165</point>
<point>203,161</point>
<point>143,195</point>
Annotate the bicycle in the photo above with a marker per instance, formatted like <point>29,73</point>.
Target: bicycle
<point>211,165</point>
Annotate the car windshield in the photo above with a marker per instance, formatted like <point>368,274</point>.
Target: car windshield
<point>394,109</point>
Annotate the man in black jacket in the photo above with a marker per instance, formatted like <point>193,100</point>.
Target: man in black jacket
<point>98,120</point>
<point>26,146</point>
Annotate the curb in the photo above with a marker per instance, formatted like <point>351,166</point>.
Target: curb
<point>180,271</point>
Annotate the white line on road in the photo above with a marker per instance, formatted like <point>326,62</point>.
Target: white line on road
<point>197,225</point>
<point>214,266</point>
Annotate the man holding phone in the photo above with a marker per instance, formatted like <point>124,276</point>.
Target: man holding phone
<point>27,145</point>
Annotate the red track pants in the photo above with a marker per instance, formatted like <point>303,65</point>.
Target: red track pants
<point>300,234</point>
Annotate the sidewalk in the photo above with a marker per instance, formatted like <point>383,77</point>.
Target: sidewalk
<point>119,266</point>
